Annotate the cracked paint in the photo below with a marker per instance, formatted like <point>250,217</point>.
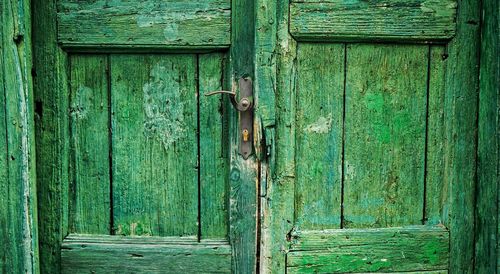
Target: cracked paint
<point>322,125</point>
<point>164,111</point>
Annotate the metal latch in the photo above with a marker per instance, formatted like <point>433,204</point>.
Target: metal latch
<point>245,108</point>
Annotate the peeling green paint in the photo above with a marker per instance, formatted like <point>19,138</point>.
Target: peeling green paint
<point>164,118</point>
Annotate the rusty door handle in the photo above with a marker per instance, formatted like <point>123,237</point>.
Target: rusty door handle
<point>245,106</point>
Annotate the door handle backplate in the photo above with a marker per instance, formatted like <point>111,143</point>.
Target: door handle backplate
<point>245,109</point>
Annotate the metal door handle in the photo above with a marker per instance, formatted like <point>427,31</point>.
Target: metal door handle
<point>244,104</point>
<point>245,107</point>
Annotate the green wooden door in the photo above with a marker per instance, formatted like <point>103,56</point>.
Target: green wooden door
<point>373,169</point>
<point>365,136</point>
<point>138,171</point>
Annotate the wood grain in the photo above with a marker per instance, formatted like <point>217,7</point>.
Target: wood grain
<point>143,254</point>
<point>90,204</point>
<point>51,89</point>
<point>488,165</point>
<point>212,139</point>
<point>146,24</point>
<point>319,118</point>
<point>388,20</point>
<point>154,145</point>
<point>18,210</point>
<point>243,184</point>
<point>278,197</point>
<point>437,200</point>
<point>385,133</point>
<point>460,106</point>
<point>418,248</point>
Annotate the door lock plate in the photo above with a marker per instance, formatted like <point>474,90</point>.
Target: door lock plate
<point>245,109</point>
<point>246,117</point>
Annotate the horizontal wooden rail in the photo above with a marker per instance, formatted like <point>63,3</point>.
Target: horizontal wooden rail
<point>115,254</point>
<point>148,24</point>
<point>418,248</point>
<point>384,20</point>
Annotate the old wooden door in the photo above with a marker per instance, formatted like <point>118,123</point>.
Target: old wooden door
<point>138,172</point>
<point>374,160</point>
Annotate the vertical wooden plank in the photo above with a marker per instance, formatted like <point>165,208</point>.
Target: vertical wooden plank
<point>213,170</point>
<point>385,114</point>
<point>486,218</point>
<point>319,118</point>
<point>437,202</point>
<point>19,235</point>
<point>242,173</point>
<point>154,145</point>
<point>4,174</point>
<point>89,190</point>
<point>278,204</point>
<point>461,136</point>
<point>52,133</point>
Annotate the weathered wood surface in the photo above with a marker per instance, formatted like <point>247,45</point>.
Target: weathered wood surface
<point>90,185</point>
<point>385,94</point>
<point>146,24</point>
<point>400,20</point>
<point>154,145</point>
<point>213,137</point>
<point>319,136</point>
<point>104,254</point>
<point>278,202</point>
<point>436,189</point>
<point>52,133</point>
<point>18,210</point>
<point>242,173</point>
<point>418,248</point>
<point>460,107</point>
<point>488,164</point>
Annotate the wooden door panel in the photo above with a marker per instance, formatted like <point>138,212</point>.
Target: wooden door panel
<point>413,248</point>
<point>385,132</point>
<point>437,202</point>
<point>409,20</point>
<point>154,145</point>
<point>369,126</point>
<point>147,159</point>
<point>144,24</point>
<point>320,107</point>
<point>213,127</point>
<point>112,254</point>
<point>89,193</point>
<point>368,139</point>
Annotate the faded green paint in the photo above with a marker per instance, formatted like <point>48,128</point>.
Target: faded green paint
<point>319,121</point>
<point>213,151</point>
<point>91,254</point>
<point>150,24</point>
<point>487,251</point>
<point>396,152</point>
<point>18,211</point>
<point>155,183</point>
<point>411,248</point>
<point>388,20</point>
<point>385,101</point>
<point>395,140</point>
<point>90,181</point>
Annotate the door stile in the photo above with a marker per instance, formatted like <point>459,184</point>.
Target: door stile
<point>461,105</point>
<point>242,173</point>
<point>276,111</point>
<point>51,128</point>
